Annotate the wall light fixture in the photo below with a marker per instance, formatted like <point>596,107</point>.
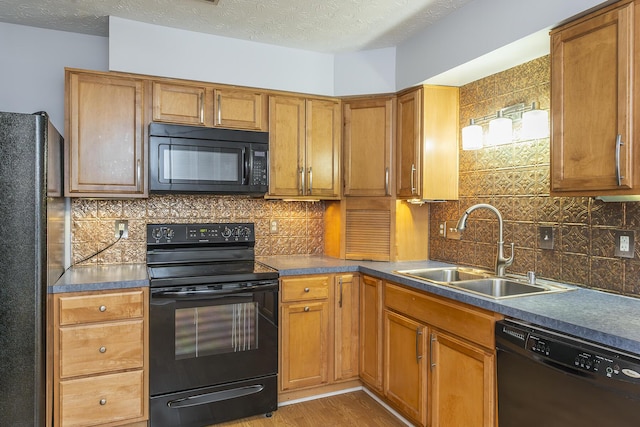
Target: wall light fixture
<point>535,124</point>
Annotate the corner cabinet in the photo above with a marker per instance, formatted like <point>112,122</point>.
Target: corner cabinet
<point>368,146</point>
<point>427,143</point>
<point>304,148</point>
<point>105,150</point>
<point>595,75</point>
<point>100,353</point>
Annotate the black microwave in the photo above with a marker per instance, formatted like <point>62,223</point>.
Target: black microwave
<point>191,159</point>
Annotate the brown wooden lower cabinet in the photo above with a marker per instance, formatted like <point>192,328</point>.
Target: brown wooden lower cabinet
<point>462,382</point>
<point>405,369</point>
<point>439,367</point>
<point>371,294</point>
<point>318,330</point>
<point>100,352</point>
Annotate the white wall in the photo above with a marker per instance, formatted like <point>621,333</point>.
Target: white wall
<point>142,48</point>
<point>32,67</point>
<point>365,72</point>
<point>477,29</point>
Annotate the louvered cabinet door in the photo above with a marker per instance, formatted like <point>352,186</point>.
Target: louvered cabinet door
<point>368,232</point>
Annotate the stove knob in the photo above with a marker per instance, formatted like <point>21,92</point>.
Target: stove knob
<point>226,233</point>
<point>170,233</point>
<point>247,232</point>
<point>157,233</point>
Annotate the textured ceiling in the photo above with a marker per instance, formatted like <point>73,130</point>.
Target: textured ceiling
<point>329,26</point>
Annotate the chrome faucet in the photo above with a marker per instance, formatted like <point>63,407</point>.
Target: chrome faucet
<point>501,262</point>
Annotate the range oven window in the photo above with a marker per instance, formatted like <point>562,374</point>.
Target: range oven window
<point>206,331</point>
<point>188,163</point>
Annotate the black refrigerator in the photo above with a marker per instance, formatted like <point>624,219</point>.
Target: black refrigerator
<point>31,257</point>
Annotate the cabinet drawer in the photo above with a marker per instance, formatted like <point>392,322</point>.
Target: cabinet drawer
<point>91,349</point>
<point>106,398</point>
<point>470,323</point>
<point>101,307</point>
<point>305,288</point>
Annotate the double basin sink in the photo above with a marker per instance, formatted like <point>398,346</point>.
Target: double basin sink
<point>484,282</point>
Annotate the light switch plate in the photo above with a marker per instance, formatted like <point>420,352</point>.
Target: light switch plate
<point>545,237</point>
<point>624,243</point>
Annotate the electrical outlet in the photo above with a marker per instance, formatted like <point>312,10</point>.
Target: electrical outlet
<point>122,225</point>
<point>545,237</point>
<point>273,229</point>
<point>625,243</point>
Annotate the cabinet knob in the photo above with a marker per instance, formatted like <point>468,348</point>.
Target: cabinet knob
<point>306,289</point>
<point>306,309</point>
<point>103,402</point>
<point>103,308</point>
<point>103,349</point>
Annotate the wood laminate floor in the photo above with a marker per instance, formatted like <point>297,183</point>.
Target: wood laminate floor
<point>348,410</point>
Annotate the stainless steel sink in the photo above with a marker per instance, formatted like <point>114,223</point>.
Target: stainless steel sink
<point>484,283</point>
<point>498,287</point>
<point>446,274</point>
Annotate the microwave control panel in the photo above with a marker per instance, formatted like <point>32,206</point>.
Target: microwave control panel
<point>260,168</point>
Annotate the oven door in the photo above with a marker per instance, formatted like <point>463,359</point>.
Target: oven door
<point>202,335</point>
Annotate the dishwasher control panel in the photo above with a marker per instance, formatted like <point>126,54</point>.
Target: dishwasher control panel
<point>554,348</point>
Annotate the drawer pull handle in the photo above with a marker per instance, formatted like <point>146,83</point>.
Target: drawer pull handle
<point>306,309</point>
<point>103,308</point>
<point>306,289</point>
<point>103,402</point>
<point>103,349</point>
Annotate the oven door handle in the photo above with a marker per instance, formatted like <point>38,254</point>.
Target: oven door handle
<point>217,396</point>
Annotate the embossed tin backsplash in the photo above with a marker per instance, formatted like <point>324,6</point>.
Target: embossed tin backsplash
<point>300,224</point>
<point>515,179</point>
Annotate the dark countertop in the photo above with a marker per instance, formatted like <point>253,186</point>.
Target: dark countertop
<point>608,319</point>
<point>100,278</point>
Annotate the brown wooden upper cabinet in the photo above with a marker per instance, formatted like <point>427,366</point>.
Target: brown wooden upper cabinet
<point>205,105</point>
<point>595,77</point>
<point>105,154</point>
<point>427,143</point>
<point>304,147</point>
<point>182,104</point>
<point>368,146</point>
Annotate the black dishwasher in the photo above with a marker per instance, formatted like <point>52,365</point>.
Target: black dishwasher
<point>546,378</point>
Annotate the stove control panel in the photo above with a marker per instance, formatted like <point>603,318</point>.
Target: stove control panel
<point>200,233</point>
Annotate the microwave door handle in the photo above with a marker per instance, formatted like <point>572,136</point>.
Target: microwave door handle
<point>245,167</point>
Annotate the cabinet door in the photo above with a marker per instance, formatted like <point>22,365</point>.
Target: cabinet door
<point>371,332</point>
<point>405,371</point>
<point>305,334</point>
<point>105,130</point>
<point>346,315</point>
<point>240,109</point>
<point>591,80</point>
<point>463,384</point>
<point>368,136</point>
<point>286,145</point>
<point>323,129</point>
<point>183,104</point>
<point>409,137</point>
